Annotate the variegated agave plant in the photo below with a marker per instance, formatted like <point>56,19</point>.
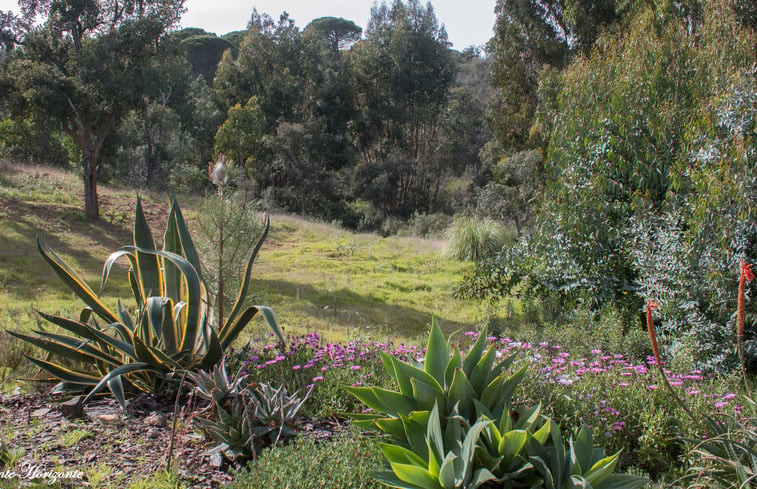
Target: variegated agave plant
<point>170,331</point>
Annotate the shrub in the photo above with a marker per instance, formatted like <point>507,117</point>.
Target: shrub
<point>475,239</point>
<point>344,462</point>
<point>172,327</point>
<point>429,225</point>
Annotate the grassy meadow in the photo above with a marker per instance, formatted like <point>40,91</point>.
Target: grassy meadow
<point>315,276</point>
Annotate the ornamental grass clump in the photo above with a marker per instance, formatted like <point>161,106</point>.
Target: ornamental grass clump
<point>171,329</point>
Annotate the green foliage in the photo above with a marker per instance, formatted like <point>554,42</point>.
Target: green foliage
<point>172,327</point>
<point>649,178</point>
<point>245,421</point>
<point>474,239</point>
<point>346,461</point>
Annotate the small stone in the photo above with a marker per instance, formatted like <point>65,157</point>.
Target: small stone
<point>113,419</point>
<point>38,413</point>
<point>216,460</point>
<point>155,419</point>
<point>73,408</point>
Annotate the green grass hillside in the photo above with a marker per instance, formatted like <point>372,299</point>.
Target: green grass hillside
<point>316,277</point>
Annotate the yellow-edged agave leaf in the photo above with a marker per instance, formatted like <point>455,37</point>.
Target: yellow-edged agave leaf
<point>187,245</point>
<point>172,243</point>
<point>192,325</point>
<point>65,374</point>
<point>148,264</point>
<point>67,347</point>
<point>75,282</point>
<point>88,332</point>
<point>117,372</point>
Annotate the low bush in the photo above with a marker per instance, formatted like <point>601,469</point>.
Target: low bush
<point>344,462</point>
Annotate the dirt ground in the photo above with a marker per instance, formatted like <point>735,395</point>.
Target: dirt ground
<point>110,447</point>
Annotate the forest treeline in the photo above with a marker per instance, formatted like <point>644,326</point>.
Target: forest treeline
<point>616,138</point>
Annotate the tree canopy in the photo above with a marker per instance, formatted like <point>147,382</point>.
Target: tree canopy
<point>77,63</point>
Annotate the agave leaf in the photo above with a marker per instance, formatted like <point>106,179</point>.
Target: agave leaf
<point>88,332</point>
<point>192,324</point>
<point>187,245</point>
<point>397,454</point>
<point>156,315</point>
<point>435,441</point>
<point>147,355</point>
<point>583,449</point>
<point>416,475</point>
<point>172,243</point>
<point>68,347</point>
<point>454,364</point>
<point>622,481</point>
<point>461,391</point>
<point>602,469</point>
<point>109,262</point>
<point>471,439</point>
<point>480,477</point>
<point>437,353</point>
<point>241,296</point>
<point>447,471</point>
<point>390,480</point>
<point>541,466</point>
<point>125,318</point>
<point>65,374</point>
<point>542,433</point>
<point>498,394</point>
<point>427,396</point>
<point>482,372</point>
<point>511,445</point>
<point>415,430</point>
<point>117,372</point>
<point>116,386</point>
<point>474,355</point>
<point>394,427</point>
<point>148,264</point>
<point>214,353</point>
<point>75,283</point>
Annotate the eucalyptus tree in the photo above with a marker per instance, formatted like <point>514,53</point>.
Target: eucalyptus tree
<point>79,62</point>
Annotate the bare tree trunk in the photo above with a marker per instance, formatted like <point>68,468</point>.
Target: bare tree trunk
<point>89,168</point>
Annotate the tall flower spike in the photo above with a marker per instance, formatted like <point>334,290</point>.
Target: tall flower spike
<point>745,276</point>
<point>651,306</point>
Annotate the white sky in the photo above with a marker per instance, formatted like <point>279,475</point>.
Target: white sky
<point>467,22</point>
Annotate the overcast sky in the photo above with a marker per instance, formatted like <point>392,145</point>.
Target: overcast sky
<point>467,22</point>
